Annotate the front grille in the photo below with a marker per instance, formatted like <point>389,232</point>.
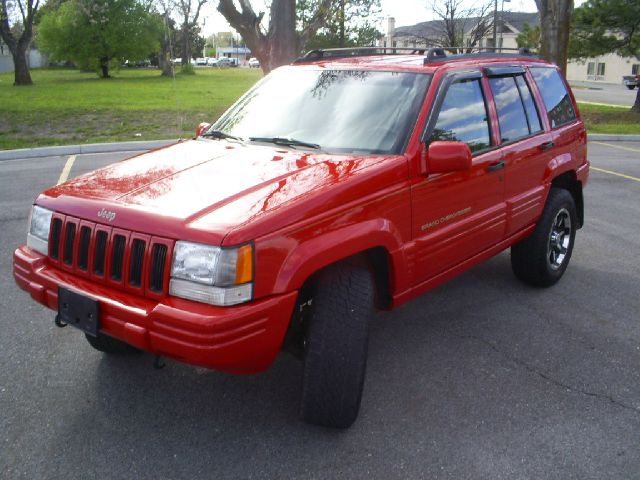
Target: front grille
<point>122,259</point>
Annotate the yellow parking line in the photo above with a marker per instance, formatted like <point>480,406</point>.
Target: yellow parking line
<point>618,146</point>
<point>628,177</point>
<point>67,169</point>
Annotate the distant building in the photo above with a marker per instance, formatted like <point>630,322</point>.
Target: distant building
<point>35,59</point>
<point>606,68</point>
<point>241,53</point>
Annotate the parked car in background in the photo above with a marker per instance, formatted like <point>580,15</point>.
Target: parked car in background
<point>254,62</point>
<point>225,62</point>
<point>631,81</point>
<point>212,62</point>
<point>201,62</point>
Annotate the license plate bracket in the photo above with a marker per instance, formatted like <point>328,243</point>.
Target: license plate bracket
<point>79,311</point>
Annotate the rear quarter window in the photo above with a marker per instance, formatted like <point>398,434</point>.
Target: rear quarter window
<point>555,96</point>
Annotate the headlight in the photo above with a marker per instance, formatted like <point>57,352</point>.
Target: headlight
<point>39,225</point>
<point>215,275</point>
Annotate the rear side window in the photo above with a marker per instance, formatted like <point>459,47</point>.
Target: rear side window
<point>530,107</point>
<point>463,116</point>
<point>517,113</point>
<point>511,115</point>
<point>555,96</point>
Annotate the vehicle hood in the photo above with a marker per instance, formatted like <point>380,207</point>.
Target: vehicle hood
<point>200,189</point>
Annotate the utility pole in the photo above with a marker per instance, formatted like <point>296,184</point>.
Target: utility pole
<point>495,24</point>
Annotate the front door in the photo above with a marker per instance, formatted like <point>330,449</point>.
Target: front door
<point>457,215</point>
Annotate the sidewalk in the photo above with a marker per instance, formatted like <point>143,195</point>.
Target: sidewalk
<point>84,149</point>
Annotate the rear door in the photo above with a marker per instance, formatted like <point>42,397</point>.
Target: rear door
<point>526,147</point>
<point>458,214</point>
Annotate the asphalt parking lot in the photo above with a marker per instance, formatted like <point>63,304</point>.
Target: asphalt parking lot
<point>482,378</point>
<point>607,93</point>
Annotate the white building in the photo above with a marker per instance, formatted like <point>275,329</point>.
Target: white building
<point>241,53</point>
<point>607,68</point>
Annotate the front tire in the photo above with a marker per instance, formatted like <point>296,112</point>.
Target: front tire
<point>106,344</point>
<point>631,87</point>
<point>336,346</point>
<point>541,259</point>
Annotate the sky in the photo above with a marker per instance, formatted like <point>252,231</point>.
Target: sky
<point>406,12</point>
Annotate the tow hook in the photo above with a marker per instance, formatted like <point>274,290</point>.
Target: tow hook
<point>59,323</point>
<point>158,363</point>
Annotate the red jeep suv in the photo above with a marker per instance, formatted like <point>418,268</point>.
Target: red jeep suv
<point>349,181</point>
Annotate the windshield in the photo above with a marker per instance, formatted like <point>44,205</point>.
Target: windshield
<point>348,111</point>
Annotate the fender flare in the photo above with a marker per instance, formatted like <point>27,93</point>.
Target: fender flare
<point>338,244</point>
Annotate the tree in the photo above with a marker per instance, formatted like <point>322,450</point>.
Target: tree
<point>18,42</point>
<point>97,33</point>
<point>529,37</point>
<point>351,23</point>
<point>455,20</point>
<point>555,20</point>
<point>605,26</point>
<point>281,42</point>
<point>189,12</point>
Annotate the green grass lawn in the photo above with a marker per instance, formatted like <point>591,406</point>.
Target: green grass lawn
<point>613,120</point>
<point>69,107</point>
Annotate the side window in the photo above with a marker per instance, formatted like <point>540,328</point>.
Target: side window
<point>529,105</point>
<point>463,116</point>
<point>555,95</point>
<point>511,115</point>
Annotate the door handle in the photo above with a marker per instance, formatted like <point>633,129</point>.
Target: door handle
<point>494,167</point>
<point>546,146</point>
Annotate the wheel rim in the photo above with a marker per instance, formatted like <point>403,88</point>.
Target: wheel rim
<point>559,239</point>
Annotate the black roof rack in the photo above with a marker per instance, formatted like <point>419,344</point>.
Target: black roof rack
<point>432,54</point>
<point>329,53</point>
<point>440,53</point>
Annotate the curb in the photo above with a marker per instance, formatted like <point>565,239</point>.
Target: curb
<point>83,149</point>
<point>612,137</point>
<point>25,153</point>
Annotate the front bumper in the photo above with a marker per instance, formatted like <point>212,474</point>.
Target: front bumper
<point>241,339</point>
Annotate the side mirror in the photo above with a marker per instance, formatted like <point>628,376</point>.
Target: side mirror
<point>443,157</point>
<point>203,127</point>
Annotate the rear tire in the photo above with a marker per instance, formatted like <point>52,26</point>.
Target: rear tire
<point>106,344</point>
<point>541,259</point>
<point>631,87</point>
<point>336,346</point>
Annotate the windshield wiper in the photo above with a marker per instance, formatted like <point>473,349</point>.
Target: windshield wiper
<point>219,134</point>
<point>289,142</point>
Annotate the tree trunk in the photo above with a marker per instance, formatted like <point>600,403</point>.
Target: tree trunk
<point>636,106</point>
<point>104,66</point>
<point>283,40</point>
<point>341,20</point>
<point>281,44</point>
<point>164,59</point>
<point>186,45</point>
<point>21,73</point>
<point>555,21</point>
